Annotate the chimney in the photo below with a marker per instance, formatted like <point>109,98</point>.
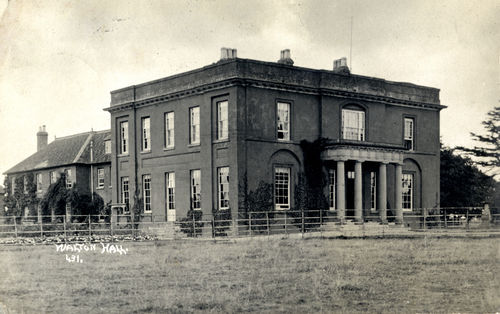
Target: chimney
<point>285,57</point>
<point>340,66</point>
<point>41,138</point>
<point>228,53</point>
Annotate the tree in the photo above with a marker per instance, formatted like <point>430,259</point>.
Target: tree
<point>488,152</point>
<point>462,183</point>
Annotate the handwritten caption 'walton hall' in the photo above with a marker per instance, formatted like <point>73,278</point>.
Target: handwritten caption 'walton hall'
<point>103,248</point>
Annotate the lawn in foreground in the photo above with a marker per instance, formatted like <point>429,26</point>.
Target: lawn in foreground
<point>275,275</point>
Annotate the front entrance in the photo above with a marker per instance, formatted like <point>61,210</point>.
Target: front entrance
<point>349,195</point>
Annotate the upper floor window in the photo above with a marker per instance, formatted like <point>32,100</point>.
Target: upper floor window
<point>408,133</point>
<point>222,120</point>
<point>223,178</point>
<point>196,189</point>
<point>39,182</point>
<point>194,125</point>
<point>124,137</point>
<point>69,183</point>
<point>353,125</point>
<point>100,177</point>
<point>52,177</point>
<point>169,130</point>
<point>282,188</point>
<point>146,134</point>
<point>283,121</point>
<point>107,147</point>
<point>146,187</point>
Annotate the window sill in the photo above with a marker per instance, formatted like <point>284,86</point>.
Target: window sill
<point>123,155</point>
<point>221,140</point>
<point>194,145</point>
<point>145,152</point>
<point>100,188</point>
<point>168,148</point>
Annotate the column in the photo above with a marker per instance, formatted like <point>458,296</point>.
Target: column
<point>358,187</point>
<point>382,192</point>
<point>340,190</point>
<point>399,194</point>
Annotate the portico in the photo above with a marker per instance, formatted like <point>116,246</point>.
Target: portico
<point>375,155</point>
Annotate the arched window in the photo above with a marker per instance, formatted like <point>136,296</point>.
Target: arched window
<point>353,123</point>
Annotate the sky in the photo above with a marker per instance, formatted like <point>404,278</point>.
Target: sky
<point>60,59</point>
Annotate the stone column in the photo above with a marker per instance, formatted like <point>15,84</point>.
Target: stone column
<point>340,191</point>
<point>382,192</point>
<point>399,194</point>
<point>358,187</point>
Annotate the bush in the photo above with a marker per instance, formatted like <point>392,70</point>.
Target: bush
<point>222,222</point>
<point>191,224</point>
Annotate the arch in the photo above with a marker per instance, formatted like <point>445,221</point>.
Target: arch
<point>411,166</point>
<point>283,152</point>
<point>354,106</point>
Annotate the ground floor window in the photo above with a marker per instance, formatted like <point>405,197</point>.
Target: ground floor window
<point>282,188</point>
<point>407,190</point>
<point>373,191</point>
<point>331,188</point>
<point>125,191</point>
<point>146,186</point>
<point>223,179</point>
<point>170,180</point>
<point>196,189</point>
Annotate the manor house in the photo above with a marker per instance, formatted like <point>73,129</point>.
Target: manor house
<point>204,139</point>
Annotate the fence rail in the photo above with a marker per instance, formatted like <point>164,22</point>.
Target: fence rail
<point>251,224</point>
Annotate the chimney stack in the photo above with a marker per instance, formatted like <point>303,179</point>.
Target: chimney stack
<point>41,138</point>
<point>228,53</point>
<point>285,57</point>
<point>340,66</point>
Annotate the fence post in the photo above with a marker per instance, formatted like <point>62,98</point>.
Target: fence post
<point>303,226</point>
<point>64,228</point>
<point>213,228</point>
<point>15,226</point>
<point>286,219</point>
<point>250,222</point>
<point>41,227</point>
<point>267,223</point>
<point>425,217</point>
<point>445,221</point>
<point>467,218</point>
<point>194,226</point>
<point>90,227</point>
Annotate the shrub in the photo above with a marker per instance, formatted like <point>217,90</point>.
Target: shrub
<point>191,224</point>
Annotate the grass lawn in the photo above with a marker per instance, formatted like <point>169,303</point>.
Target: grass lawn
<point>288,275</point>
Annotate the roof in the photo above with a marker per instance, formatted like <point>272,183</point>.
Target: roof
<point>277,76</point>
<point>73,149</point>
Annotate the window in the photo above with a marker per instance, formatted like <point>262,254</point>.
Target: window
<point>69,183</point>
<point>53,177</point>
<point>222,120</point>
<point>146,134</point>
<point>125,191</point>
<point>353,125</point>
<point>107,147</point>
<point>351,175</point>
<point>408,136</point>
<point>100,178</point>
<point>194,125</point>
<point>283,121</point>
<point>124,137</point>
<point>39,182</point>
<point>407,191</point>
<point>170,180</point>
<point>223,175</point>
<point>196,189</point>
<point>169,130</point>
<point>373,191</point>
<point>331,188</point>
<point>282,188</point>
<point>146,187</point>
